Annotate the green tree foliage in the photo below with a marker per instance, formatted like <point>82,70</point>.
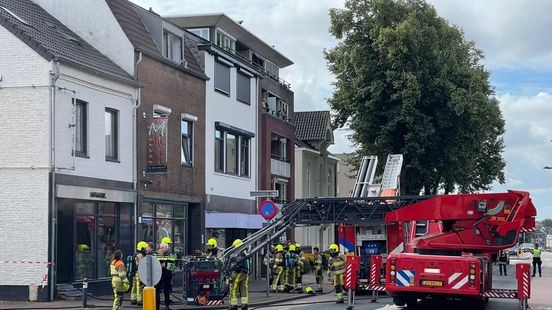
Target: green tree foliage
<point>546,224</point>
<point>407,82</point>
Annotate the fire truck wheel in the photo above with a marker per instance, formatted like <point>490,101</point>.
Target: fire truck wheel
<point>411,303</point>
<point>399,301</point>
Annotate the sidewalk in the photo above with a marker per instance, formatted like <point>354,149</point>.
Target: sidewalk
<point>257,297</point>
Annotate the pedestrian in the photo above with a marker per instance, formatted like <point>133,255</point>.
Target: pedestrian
<point>168,264</point>
<point>320,263</point>
<point>503,261</point>
<point>119,281</point>
<point>136,292</point>
<point>240,280</point>
<point>337,265</point>
<point>537,262</point>
<point>278,269</point>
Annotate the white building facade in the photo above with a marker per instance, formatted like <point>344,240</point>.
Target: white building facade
<point>68,153</point>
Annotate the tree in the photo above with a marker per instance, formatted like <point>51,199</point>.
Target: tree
<point>546,224</point>
<point>407,82</point>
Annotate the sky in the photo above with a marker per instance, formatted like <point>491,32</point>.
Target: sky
<point>512,34</point>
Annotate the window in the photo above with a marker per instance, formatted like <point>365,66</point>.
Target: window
<point>279,148</point>
<point>272,69</point>
<point>81,128</point>
<point>243,92</point>
<point>172,47</point>
<point>244,157</point>
<point>165,220</point>
<point>225,41</point>
<point>219,151</point>
<point>281,187</point>
<point>186,151</point>
<point>232,153</point>
<point>201,32</point>
<point>98,229</point>
<point>222,78</point>
<point>111,134</point>
<point>282,109</point>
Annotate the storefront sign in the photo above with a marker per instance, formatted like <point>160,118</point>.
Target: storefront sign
<point>98,195</point>
<point>157,144</point>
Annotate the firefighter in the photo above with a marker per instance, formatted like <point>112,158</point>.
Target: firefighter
<point>299,268</point>
<point>278,284</point>
<point>119,281</point>
<point>240,280</point>
<point>320,264</point>
<point>337,266</point>
<point>168,264</point>
<point>212,248</point>
<point>291,267</point>
<point>268,260</point>
<point>537,262</point>
<point>136,292</point>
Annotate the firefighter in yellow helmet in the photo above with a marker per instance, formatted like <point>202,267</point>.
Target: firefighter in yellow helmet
<point>212,248</point>
<point>119,281</point>
<point>136,292</point>
<point>240,279</point>
<point>168,264</point>
<point>291,267</point>
<point>278,284</point>
<point>299,268</point>
<point>337,265</point>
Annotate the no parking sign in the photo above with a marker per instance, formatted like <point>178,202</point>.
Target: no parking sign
<point>268,210</point>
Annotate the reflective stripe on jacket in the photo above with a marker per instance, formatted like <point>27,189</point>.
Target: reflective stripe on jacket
<point>118,269</point>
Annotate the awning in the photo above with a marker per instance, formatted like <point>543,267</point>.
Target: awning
<point>233,220</point>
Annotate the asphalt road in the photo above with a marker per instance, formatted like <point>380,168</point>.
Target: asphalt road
<point>540,296</point>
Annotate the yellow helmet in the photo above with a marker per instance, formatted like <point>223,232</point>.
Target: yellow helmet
<point>212,243</point>
<point>279,248</point>
<point>297,245</point>
<point>333,247</point>
<point>142,245</point>
<point>237,243</point>
<point>308,290</point>
<point>83,247</point>
<point>166,240</point>
<point>292,248</point>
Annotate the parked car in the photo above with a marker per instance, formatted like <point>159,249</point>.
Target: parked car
<point>526,247</point>
<point>513,250</point>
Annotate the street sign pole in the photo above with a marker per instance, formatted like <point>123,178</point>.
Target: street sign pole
<point>268,267</point>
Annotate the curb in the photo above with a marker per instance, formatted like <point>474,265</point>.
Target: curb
<point>255,304</point>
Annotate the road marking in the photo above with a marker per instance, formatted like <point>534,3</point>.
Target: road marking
<point>389,307</point>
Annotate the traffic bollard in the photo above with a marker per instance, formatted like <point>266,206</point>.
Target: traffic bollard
<point>84,292</point>
<point>148,298</point>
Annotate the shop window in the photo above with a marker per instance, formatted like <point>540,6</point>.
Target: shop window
<point>97,234</point>
<point>161,220</point>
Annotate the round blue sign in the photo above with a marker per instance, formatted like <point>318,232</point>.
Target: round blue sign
<point>268,210</point>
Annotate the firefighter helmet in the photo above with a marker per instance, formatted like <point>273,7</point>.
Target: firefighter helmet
<point>142,245</point>
<point>237,243</point>
<point>308,290</point>
<point>292,248</point>
<point>297,246</point>
<point>212,243</point>
<point>333,248</point>
<point>166,240</point>
<point>279,248</point>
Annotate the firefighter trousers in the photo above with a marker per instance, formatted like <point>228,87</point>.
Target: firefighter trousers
<point>118,292</point>
<point>338,283</point>
<point>319,275</point>
<point>291,274</point>
<point>240,286</point>
<point>278,280</point>
<point>136,292</point>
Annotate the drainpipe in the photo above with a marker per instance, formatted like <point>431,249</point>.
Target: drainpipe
<point>134,145</point>
<point>54,75</point>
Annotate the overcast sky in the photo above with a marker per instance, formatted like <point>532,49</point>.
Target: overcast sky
<point>510,32</point>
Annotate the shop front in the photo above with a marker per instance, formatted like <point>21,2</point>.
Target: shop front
<point>92,223</point>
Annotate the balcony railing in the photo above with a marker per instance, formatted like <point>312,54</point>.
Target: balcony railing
<point>277,114</point>
<point>280,168</point>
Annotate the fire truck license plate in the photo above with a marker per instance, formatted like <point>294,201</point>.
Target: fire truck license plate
<point>431,283</point>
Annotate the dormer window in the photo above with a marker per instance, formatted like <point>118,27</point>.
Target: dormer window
<point>201,32</point>
<point>172,47</point>
<point>225,41</point>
